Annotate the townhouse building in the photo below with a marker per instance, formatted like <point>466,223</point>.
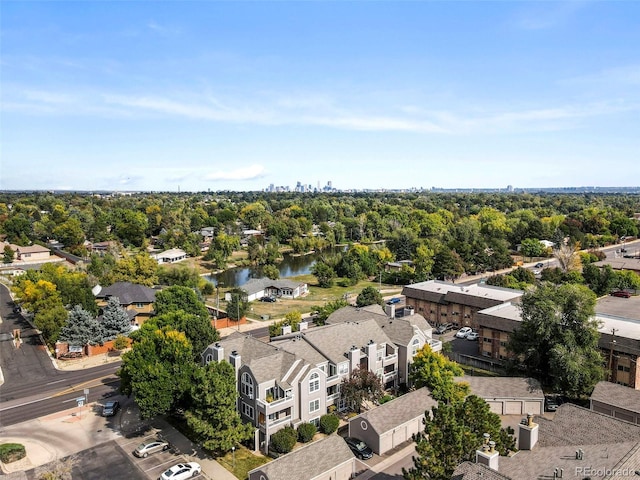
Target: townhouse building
<point>443,302</point>
<point>296,378</point>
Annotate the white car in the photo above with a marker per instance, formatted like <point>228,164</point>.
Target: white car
<point>182,471</point>
<point>463,332</point>
<point>473,336</point>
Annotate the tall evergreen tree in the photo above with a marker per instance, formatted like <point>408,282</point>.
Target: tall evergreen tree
<point>82,328</point>
<point>115,320</point>
<point>212,414</point>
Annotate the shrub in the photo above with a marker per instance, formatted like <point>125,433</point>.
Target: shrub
<point>386,398</point>
<point>284,440</point>
<point>329,423</point>
<point>121,342</point>
<point>306,431</point>
<point>12,452</point>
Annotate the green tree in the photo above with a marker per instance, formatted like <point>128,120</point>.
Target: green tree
<point>452,435</point>
<point>557,340</point>
<point>369,296</point>
<point>140,269</point>
<point>271,272</point>
<point>327,309</point>
<point>324,273</point>
<point>531,247</point>
<point>447,264</point>
<point>82,328</point>
<point>212,414</point>
<point>158,371</point>
<point>115,320</point>
<point>362,385</point>
<point>8,255</point>
<point>435,371</point>
<point>130,226</point>
<point>237,306</point>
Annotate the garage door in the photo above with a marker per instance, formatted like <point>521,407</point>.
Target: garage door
<point>495,407</point>
<point>513,408</point>
<point>386,442</point>
<point>533,407</point>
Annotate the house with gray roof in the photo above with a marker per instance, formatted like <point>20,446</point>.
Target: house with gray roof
<point>257,288</point>
<point>443,302</point>
<point>575,443</point>
<point>393,423</point>
<point>173,255</point>
<point>276,387</point>
<point>508,395</point>
<point>407,330</point>
<point>326,459</point>
<point>132,297</point>
<point>616,400</point>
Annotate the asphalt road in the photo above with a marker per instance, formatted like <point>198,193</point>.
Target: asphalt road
<point>32,386</point>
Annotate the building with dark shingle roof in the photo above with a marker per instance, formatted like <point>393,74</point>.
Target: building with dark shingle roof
<point>507,395</point>
<point>329,458</point>
<point>616,400</point>
<point>575,443</point>
<point>132,297</point>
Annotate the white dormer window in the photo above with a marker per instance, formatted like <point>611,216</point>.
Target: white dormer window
<point>415,346</point>
<point>209,359</point>
<point>343,368</point>
<point>314,383</point>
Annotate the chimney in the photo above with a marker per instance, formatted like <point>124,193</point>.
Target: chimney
<point>408,310</point>
<point>218,352</point>
<point>527,434</point>
<point>488,455</point>
<point>390,310</point>
<point>372,355</point>
<point>354,358</point>
<point>286,329</point>
<point>235,361</point>
<point>303,326</point>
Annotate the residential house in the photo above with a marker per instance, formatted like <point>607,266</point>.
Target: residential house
<point>617,401</point>
<point>443,302</point>
<point>134,298</point>
<point>276,388</point>
<point>619,338</point>
<point>575,443</point>
<point>29,253</point>
<point>172,255</point>
<point>508,395</point>
<point>257,288</point>
<point>408,331</point>
<point>326,459</point>
<point>393,423</point>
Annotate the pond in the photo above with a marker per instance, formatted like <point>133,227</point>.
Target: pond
<point>291,266</point>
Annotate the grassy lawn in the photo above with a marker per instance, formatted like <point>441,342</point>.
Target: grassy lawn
<point>316,296</point>
<point>243,463</point>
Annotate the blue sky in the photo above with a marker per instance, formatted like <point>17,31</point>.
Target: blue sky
<point>231,95</point>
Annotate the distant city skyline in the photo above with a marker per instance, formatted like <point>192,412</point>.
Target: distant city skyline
<point>209,95</point>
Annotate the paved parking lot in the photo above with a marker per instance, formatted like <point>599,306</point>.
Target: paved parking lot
<point>155,464</point>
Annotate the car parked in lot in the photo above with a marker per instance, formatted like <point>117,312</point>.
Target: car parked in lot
<point>359,448</point>
<point>443,328</point>
<point>621,293</point>
<point>539,265</point>
<point>182,471</point>
<point>536,272</point>
<point>551,403</point>
<point>473,336</point>
<point>145,449</point>
<point>267,299</point>
<point>110,408</point>
<point>463,332</point>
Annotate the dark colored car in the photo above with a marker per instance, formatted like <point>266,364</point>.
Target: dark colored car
<point>444,328</point>
<point>539,265</point>
<point>268,299</point>
<point>359,448</point>
<point>110,408</point>
<point>551,403</point>
<point>621,293</point>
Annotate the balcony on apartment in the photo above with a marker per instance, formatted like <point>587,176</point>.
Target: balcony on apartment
<point>436,345</point>
<point>274,419</point>
<point>275,400</point>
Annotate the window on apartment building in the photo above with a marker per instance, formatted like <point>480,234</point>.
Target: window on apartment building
<point>343,368</point>
<point>315,421</point>
<point>247,385</point>
<point>314,405</point>
<point>503,344</point>
<point>622,368</point>
<point>487,340</point>
<point>247,410</point>
<point>415,346</point>
<point>314,383</point>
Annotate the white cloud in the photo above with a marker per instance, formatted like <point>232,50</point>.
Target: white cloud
<point>244,173</point>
